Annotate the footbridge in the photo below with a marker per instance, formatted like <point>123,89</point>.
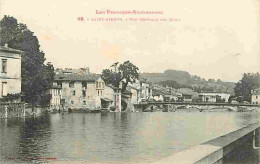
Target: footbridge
<point>175,106</point>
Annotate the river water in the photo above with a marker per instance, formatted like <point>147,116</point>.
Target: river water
<point>112,137</point>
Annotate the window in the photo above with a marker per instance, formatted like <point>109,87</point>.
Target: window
<point>4,88</point>
<point>4,65</point>
<point>73,93</point>
<point>98,93</point>
<point>72,102</point>
<point>71,84</point>
<point>84,93</point>
<point>99,84</point>
<point>96,84</point>
<point>84,85</point>
<point>256,97</point>
<point>59,84</point>
<point>84,102</point>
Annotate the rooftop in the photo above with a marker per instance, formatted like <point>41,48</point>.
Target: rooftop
<point>8,49</point>
<point>76,77</point>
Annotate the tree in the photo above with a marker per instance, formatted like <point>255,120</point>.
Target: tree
<point>121,73</point>
<point>37,77</point>
<point>248,82</point>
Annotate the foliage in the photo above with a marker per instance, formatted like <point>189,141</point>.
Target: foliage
<point>11,97</point>
<point>37,77</point>
<point>248,82</point>
<point>122,73</point>
<point>181,79</point>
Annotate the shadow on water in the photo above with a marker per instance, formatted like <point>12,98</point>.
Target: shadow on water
<point>26,138</point>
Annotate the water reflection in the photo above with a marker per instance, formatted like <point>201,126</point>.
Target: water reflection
<point>114,137</point>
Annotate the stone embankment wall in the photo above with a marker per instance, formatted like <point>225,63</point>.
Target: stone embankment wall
<point>219,150</point>
<point>13,110</point>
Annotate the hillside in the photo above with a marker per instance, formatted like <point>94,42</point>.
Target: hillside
<point>180,79</point>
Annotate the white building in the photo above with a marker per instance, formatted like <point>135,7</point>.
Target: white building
<point>10,65</point>
<point>56,97</point>
<point>141,90</point>
<point>255,96</point>
<point>212,97</point>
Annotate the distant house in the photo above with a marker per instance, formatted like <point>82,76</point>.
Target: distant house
<point>141,90</point>
<point>255,96</point>
<point>10,65</point>
<point>80,91</point>
<point>158,96</point>
<point>187,94</point>
<point>213,97</point>
<point>146,90</point>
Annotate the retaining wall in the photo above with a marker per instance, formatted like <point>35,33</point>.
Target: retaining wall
<point>218,149</point>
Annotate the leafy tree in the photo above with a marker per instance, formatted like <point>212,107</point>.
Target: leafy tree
<point>122,73</point>
<point>248,82</point>
<point>37,77</point>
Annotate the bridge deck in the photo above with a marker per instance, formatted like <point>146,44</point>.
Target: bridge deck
<point>193,103</point>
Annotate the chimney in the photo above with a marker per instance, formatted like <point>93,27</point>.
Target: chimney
<point>6,45</point>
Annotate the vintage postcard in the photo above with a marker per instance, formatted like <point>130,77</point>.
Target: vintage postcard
<point>137,81</point>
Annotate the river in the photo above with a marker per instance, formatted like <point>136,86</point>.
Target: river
<point>113,137</point>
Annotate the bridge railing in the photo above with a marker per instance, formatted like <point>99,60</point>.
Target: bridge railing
<point>203,103</point>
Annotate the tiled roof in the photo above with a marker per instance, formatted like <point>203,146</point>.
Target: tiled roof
<point>186,91</point>
<point>160,92</point>
<point>76,77</point>
<point>7,49</point>
<point>256,91</point>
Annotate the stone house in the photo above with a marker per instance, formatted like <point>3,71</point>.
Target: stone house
<point>80,91</point>
<point>10,65</point>
<point>111,98</point>
<point>255,96</point>
<point>56,96</point>
<point>141,91</point>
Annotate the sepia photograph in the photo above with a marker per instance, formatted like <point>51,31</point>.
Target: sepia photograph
<point>130,82</point>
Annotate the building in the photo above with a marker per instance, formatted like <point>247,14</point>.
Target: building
<point>56,96</point>
<point>255,96</point>
<point>214,97</point>
<point>111,100</point>
<point>146,89</point>
<point>187,94</point>
<point>135,99</point>
<point>80,91</point>
<point>10,65</point>
<point>141,91</point>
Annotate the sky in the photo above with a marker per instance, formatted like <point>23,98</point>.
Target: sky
<point>217,39</point>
